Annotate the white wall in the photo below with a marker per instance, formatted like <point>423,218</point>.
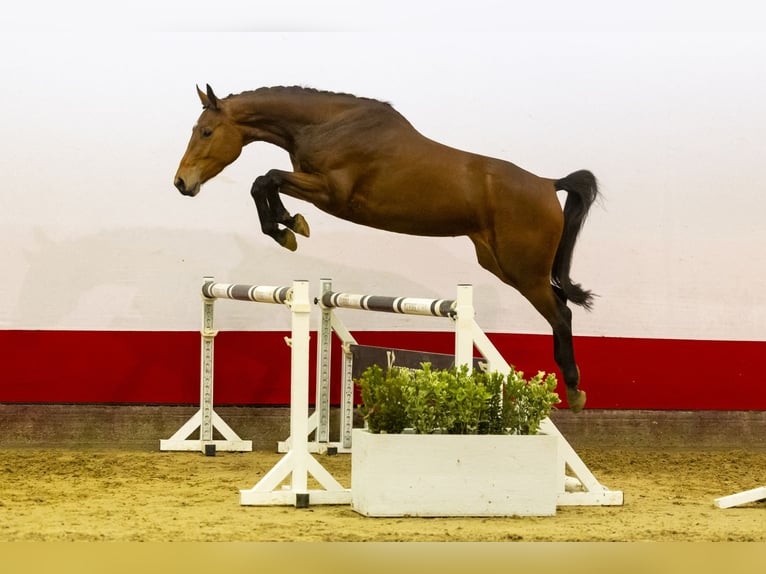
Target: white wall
<point>665,104</point>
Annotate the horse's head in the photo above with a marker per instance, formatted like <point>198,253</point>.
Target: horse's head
<point>215,143</point>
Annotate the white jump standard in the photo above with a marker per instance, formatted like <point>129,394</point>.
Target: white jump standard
<point>319,421</point>
<point>330,300</point>
<point>298,463</point>
<point>206,419</point>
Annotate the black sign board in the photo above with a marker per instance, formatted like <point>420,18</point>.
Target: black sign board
<point>364,357</point>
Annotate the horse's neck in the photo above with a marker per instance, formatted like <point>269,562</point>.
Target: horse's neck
<point>276,118</point>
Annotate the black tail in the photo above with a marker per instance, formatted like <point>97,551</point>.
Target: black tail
<point>582,191</point>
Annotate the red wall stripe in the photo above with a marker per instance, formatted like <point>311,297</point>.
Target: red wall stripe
<point>252,368</point>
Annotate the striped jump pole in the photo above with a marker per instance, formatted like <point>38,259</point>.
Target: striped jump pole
<point>381,303</point>
<point>206,419</point>
<point>256,293</point>
<point>460,310</point>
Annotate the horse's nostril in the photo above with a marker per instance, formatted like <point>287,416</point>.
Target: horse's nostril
<point>180,185</point>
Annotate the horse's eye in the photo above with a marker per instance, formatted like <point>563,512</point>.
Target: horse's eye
<point>207,132</point>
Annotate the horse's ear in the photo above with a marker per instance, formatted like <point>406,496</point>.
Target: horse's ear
<point>209,99</point>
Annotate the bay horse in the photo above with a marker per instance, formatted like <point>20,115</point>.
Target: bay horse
<point>360,160</point>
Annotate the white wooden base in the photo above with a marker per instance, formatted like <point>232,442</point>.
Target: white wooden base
<point>287,497</point>
<point>284,446</point>
<point>199,445</point>
<point>180,441</point>
<point>603,497</point>
<point>300,464</point>
<point>454,475</point>
<point>744,497</point>
<point>582,489</point>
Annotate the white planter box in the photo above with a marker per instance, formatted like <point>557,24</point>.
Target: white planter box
<point>454,475</point>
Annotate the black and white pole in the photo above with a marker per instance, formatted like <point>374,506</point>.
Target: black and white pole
<point>460,310</point>
<point>385,304</point>
<point>240,292</point>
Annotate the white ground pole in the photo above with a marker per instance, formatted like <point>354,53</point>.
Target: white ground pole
<point>579,488</point>
<point>298,462</point>
<point>744,497</point>
<point>206,419</point>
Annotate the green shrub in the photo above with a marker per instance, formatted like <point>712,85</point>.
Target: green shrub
<point>382,400</point>
<point>455,401</point>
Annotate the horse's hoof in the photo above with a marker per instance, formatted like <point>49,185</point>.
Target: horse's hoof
<point>576,400</point>
<point>300,226</point>
<point>287,240</point>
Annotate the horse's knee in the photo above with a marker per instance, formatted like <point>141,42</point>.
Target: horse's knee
<point>258,187</point>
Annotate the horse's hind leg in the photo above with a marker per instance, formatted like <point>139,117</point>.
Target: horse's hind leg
<point>563,352</point>
<point>537,289</point>
<point>559,316</point>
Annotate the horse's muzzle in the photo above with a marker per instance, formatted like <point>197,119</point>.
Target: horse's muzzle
<point>188,191</point>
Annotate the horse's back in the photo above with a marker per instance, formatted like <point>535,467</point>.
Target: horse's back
<point>386,174</point>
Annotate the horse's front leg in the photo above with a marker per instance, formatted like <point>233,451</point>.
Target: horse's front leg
<point>295,222</point>
<point>305,186</point>
<point>272,213</point>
